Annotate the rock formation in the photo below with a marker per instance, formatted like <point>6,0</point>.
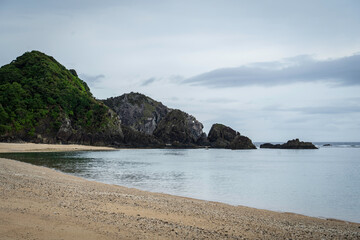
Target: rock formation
<point>180,129</point>
<point>42,101</point>
<point>221,136</point>
<point>291,144</point>
<point>138,111</point>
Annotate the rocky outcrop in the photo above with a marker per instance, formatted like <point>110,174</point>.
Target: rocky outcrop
<point>180,130</point>
<point>162,124</point>
<point>241,142</point>
<point>138,111</point>
<point>221,136</point>
<point>291,144</point>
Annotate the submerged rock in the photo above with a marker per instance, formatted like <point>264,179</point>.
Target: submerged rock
<point>291,144</point>
<point>221,136</point>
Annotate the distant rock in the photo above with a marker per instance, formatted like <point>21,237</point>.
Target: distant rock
<point>291,144</point>
<point>138,111</point>
<point>327,145</point>
<point>221,136</point>
<point>180,130</point>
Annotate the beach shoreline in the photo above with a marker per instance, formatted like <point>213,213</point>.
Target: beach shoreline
<point>40,147</point>
<point>38,202</point>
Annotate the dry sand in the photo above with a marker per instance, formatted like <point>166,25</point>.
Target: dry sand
<point>32,147</point>
<point>40,203</point>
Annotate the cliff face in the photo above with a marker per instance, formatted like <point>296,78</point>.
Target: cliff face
<point>138,111</point>
<point>42,101</point>
<point>221,136</point>
<point>167,126</point>
<point>179,128</point>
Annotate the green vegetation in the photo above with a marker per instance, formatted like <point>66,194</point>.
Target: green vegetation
<point>35,88</point>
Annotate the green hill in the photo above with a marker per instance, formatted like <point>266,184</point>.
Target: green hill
<point>40,100</point>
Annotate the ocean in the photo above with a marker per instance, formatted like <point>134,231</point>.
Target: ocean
<point>321,183</point>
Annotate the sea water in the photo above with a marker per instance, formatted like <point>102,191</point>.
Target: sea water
<point>320,183</point>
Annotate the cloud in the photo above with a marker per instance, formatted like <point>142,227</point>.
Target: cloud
<point>92,80</point>
<point>328,110</point>
<point>341,71</point>
<point>148,82</point>
<point>163,80</point>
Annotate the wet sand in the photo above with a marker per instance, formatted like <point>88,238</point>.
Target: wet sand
<point>41,203</point>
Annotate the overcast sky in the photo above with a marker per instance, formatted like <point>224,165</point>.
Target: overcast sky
<point>272,70</point>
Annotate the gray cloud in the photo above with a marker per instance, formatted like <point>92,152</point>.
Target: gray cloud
<point>331,110</point>
<point>341,71</point>
<point>148,82</point>
<point>90,79</point>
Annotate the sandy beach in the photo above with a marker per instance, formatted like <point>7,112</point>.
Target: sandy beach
<point>41,203</point>
<point>32,147</point>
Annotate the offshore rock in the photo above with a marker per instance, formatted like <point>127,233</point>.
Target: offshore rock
<point>221,136</point>
<point>291,144</point>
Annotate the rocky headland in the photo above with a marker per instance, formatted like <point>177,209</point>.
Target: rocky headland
<point>291,144</point>
<point>43,102</point>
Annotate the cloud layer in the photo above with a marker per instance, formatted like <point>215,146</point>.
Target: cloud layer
<point>341,71</point>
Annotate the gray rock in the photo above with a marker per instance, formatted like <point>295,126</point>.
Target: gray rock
<point>221,136</point>
<point>179,129</point>
<point>138,111</point>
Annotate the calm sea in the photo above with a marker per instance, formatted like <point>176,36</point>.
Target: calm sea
<point>320,183</point>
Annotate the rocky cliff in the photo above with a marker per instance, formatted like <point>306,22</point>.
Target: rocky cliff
<point>221,136</point>
<point>291,144</point>
<point>138,111</point>
<point>143,114</point>
<point>180,129</point>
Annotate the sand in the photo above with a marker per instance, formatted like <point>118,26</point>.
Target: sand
<point>41,203</point>
<point>32,147</point>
